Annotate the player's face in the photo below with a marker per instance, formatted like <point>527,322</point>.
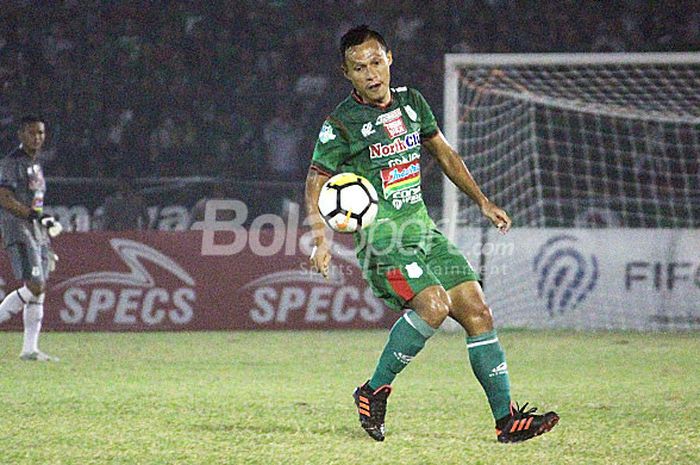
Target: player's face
<point>367,68</point>
<point>32,137</point>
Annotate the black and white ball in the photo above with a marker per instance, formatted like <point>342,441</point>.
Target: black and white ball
<point>348,203</point>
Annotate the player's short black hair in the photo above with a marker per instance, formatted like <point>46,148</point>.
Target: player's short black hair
<point>29,119</point>
<point>358,35</point>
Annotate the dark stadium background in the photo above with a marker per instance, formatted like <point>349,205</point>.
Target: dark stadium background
<point>154,90</point>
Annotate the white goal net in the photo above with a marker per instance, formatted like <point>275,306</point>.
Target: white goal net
<point>578,140</point>
<point>582,142</point>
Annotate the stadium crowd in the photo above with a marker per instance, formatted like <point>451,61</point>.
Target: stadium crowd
<point>149,89</point>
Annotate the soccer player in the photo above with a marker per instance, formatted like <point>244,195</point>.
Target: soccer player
<point>25,233</point>
<point>377,132</point>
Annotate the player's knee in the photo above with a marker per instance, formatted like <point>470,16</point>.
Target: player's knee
<point>442,310</point>
<point>434,307</point>
<point>482,312</point>
<point>36,287</point>
<point>477,319</point>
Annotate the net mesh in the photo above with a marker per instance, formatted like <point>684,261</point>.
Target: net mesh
<point>584,145</point>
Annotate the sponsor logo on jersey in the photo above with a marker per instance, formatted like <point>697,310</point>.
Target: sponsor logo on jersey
<point>35,177</point>
<point>326,133</point>
<point>408,196</point>
<point>386,117</point>
<point>368,129</point>
<point>400,177</point>
<point>395,127</point>
<point>407,142</point>
<point>403,159</point>
<point>36,184</point>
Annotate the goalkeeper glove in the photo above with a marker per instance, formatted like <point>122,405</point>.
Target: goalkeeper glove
<point>53,227</point>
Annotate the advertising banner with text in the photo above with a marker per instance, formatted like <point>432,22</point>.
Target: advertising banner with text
<point>260,279</point>
<point>144,281</point>
<point>640,279</point>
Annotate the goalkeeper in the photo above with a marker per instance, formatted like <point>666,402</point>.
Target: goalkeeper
<point>25,233</point>
<point>377,132</point>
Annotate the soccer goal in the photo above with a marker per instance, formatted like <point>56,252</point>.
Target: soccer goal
<point>573,142</point>
<point>577,139</point>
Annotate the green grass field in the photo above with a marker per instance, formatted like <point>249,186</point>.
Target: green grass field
<point>285,397</point>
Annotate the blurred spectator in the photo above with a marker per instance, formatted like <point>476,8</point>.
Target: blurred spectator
<point>218,192</point>
<point>228,137</point>
<point>125,210</point>
<point>609,38</point>
<point>283,143</point>
<point>143,88</point>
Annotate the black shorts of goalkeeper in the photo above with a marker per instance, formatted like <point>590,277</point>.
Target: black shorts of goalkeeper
<point>31,262</point>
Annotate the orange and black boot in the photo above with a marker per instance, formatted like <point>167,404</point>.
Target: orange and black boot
<point>523,424</point>
<point>371,405</point>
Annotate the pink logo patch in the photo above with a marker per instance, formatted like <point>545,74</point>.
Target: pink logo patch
<point>395,127</point>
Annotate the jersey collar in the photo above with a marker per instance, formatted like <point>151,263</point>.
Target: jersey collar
<point>24,152</point>
<point>357,98</point>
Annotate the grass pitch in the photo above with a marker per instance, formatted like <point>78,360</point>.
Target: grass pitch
<point>285,398</point>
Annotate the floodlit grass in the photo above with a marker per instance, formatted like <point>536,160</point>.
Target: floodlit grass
<point>285,397</point>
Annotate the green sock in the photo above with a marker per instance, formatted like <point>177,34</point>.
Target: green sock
<point>489,365</point>
<point>406,339</point>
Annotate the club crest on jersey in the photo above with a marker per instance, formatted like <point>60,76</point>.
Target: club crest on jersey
<point>368,129</point>
<point>407,142</point>
<point>414,270</point>
<point>395,127</point>
<point>393,123</point>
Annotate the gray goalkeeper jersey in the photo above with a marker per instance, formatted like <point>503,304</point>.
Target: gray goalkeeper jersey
<point>23,176</point>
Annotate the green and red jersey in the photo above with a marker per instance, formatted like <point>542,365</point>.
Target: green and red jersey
<point>383,145</point>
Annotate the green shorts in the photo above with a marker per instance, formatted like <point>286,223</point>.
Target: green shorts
<point>397,274</point>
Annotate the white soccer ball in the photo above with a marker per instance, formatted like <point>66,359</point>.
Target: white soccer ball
<point>348,203</point>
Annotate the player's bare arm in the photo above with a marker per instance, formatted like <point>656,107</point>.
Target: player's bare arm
<point>11,204</point>
<point>321,256</point>
<point>455,169</point>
